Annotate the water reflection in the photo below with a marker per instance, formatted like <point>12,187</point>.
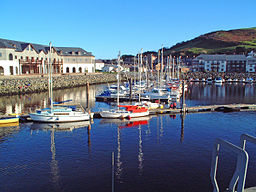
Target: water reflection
<point>224,93</point>
<point>54,163</point>
<point>59,127</point>
<point>8,129</point>
<point>30,102</point>
<point>182,117</point>
<point>140,155</point>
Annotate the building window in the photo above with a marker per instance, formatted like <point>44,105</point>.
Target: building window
<point>0,54</point>
<point>16,57</point>
<point>31,49</point>
<point>10,57</point>
<point>27,48</point>
<point>21,57</point>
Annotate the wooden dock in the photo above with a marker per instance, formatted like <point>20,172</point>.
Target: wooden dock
<point>194,109</point>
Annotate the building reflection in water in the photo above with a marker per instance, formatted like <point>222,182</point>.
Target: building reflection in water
<point>224,94</point>
<point>29,102</point>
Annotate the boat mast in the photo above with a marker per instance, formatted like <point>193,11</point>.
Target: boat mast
<point>118,69</point>
<point>173,67</point>
<point>158,62</point>
<point>50,77</point>
<point>178,66</point>
<point>140,72</point>
<point>162,67</point>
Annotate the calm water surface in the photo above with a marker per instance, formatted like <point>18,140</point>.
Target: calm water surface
<point>157,153</point>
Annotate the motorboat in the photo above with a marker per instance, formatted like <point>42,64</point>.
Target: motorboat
<point>135,111</point>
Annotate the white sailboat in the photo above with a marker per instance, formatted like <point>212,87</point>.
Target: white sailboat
<point>115,113</point>
<point>56,114</point>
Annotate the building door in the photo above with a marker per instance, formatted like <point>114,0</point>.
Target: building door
<point>11,70</point>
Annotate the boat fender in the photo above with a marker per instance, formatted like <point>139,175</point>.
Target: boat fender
<point>129,117</point>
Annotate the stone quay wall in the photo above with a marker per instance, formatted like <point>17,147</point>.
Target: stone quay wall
<point>25,84</point>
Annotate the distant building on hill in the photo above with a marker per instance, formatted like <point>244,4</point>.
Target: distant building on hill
<point>224,63</point>
<point>18,58</point>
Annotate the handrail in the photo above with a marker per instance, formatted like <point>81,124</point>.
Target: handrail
<point>243,139</point>
<point>241,167</point>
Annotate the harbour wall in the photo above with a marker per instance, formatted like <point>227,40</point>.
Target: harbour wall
<point>25,84</point>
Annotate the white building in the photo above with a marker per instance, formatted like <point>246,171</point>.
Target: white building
<point>108,68</point>
<point>251,62</point>
<point>28,58</point>
<point>99,64</point>
<point>219,63</point>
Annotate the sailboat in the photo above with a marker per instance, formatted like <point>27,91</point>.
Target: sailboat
<point>115,113</point>
<point>58,113</point>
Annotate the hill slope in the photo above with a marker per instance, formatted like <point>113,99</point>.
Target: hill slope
<point>237,41</point>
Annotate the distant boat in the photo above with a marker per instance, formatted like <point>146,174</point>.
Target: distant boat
<point>209,80</point>
<point>218,80</point>
<point>242,80</point>
<point>229,80</point>
<point>249,80</point>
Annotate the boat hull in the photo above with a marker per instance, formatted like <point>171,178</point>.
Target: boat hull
<point>59,118</point>
<point>114,114</point>
<point>141,114</point>
<point>9,120</point>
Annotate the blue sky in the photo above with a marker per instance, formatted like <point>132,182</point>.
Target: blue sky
<point>105,27</point>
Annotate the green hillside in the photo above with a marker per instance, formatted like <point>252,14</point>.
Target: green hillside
<point>237,41</point>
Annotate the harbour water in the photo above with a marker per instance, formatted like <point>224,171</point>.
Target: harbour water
<point>156,153</point>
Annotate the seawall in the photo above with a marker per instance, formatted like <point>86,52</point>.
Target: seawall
<point>25,84</point>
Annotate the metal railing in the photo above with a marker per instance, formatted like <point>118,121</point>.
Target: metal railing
<point>239,175</point>
<point>241,166</point>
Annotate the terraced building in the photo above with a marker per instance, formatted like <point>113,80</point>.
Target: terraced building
<point>18,58</point>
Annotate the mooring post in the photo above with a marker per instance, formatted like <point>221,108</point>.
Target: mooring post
<point>183,97</point>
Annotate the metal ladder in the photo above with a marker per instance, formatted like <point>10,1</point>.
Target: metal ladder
<point>239,175</point>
